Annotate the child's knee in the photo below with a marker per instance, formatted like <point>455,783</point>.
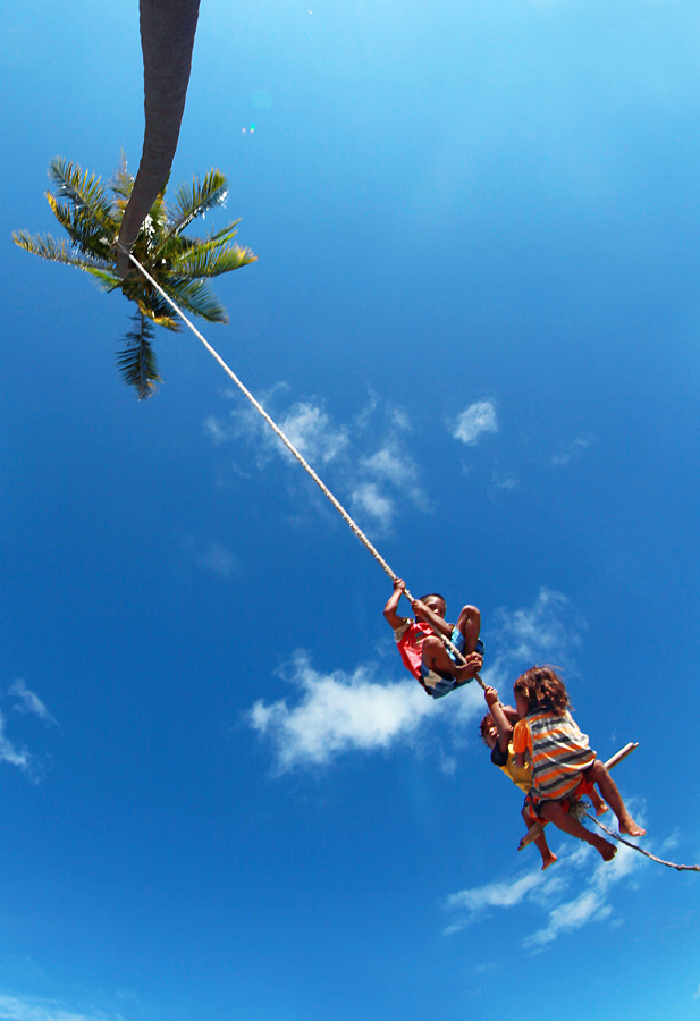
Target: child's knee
<point>431,647</point>
<point>470,619</point>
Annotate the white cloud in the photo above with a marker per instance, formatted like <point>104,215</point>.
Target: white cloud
<point>308,428</point>
<point>28,702</point>
<point>374,482</point>
<point>590,905</point>
<point>215,429</point>
<point>401,420</point>
<point>547,890</point>
<point>504,481</point>
<point>220,560</point>
<point>397,468</point>
<point>338,712</point>
<point>548,631</point>
<point>14,1009</point>
<point>572,451</point>
<point>9,753</point>
<point>368,497</point>
<point>567,917</point>
<point>504,895</point>
<point>476,419</point>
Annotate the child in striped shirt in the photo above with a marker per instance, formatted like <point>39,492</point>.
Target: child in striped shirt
<point>563,765</point>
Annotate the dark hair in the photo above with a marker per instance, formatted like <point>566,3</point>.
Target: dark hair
<point>488,721</point>
<point>433,595</point>
<point>544,690</point>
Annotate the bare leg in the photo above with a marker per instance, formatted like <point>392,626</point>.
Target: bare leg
<point>435,657</point>
<point>535,835</point>
<point>552,811</point>
<point>469,623</point>
<point>599,805</point>
<point>608,788</point>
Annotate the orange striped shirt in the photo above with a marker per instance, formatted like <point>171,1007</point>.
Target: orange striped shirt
<point>559,752</point>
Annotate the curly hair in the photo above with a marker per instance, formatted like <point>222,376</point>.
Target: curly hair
<point>544,690</point>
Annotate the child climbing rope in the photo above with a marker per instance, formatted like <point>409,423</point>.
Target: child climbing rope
<point>424,654</point>
<point>563,765</point>
<point>498,732</point>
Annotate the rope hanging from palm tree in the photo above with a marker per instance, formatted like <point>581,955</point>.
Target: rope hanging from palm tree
<point>288,444</point>
<point>355,527</point>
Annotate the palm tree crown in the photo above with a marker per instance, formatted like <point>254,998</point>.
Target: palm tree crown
<point>181,264</point>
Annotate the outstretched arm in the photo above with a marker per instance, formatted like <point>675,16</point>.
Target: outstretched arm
<point>505,730</point>
<point>392,604</point>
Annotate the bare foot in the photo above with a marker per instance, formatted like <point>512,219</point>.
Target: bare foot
<point>631,829</point>
<point>532,834</point>
<point>546,862</point>
<point>602,809</point>
<point>606,850</point>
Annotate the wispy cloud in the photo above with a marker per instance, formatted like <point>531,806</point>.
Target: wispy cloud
<point>591,905</point>
<point>10,753</point>
<point>367,461</point>
<point>220,560</point>
<point>14,1009</point>
<point>309,429</point>
<point>392,465</point>
<point>504,481</point>
<point>338,712</point>
<point>368,497</point>
<point>547,891</point>
<point>476,419</point>
<point>547,631</point>
<point>502,895</point>
<point>27,702</point>
<point>216,430</point>
<point>571,451</point>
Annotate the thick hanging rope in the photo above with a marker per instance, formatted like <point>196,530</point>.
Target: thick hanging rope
<point>647,854</point>
<point>288,444</point>
<point>618,757</point>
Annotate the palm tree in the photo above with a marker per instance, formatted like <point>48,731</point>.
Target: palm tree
<point>180,264</point>
<point>167,40</point>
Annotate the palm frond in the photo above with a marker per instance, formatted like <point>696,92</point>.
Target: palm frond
<point>191,202</point>
<point>122,182</point>
<point>137,362</point>
<point>85,194</point>
<point>59,251</point>
<point>85,232</point>
<point>196,297</point>
<point>175,246</point>
<point>208,260</point>
<point>158,311</point>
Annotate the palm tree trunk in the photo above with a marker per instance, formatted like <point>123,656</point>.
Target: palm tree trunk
<point>167,39</point>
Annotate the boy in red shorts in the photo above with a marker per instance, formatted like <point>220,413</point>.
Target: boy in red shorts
<point>433,665</point>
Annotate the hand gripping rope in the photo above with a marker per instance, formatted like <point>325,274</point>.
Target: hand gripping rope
<point>290,447</point>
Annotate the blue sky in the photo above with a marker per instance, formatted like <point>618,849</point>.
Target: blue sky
<point>476,310</point>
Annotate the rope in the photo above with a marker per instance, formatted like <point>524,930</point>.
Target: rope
<point>287,442</point>
<point>647,854</point>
